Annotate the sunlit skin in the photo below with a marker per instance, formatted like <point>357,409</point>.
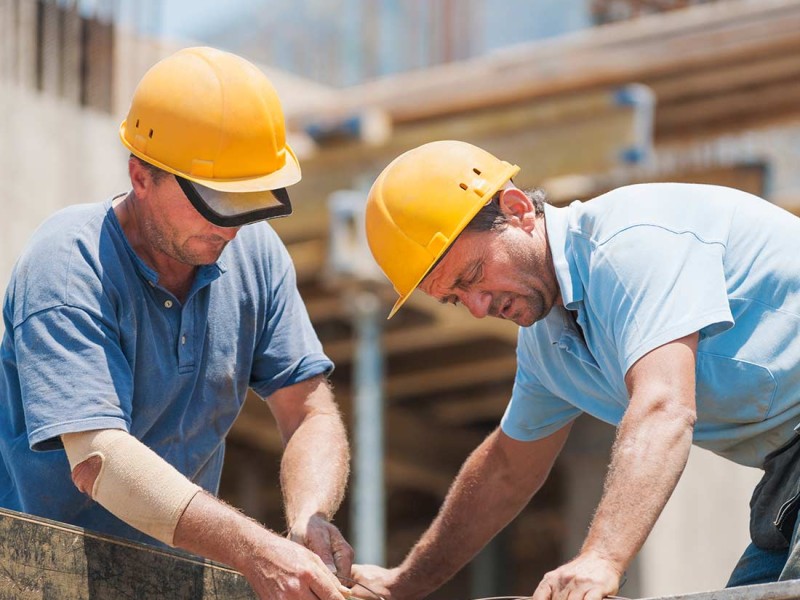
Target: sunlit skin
<point>166,231</point>
<point>508,274</point>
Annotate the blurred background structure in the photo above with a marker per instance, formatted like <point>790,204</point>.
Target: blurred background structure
<point>584,95</point>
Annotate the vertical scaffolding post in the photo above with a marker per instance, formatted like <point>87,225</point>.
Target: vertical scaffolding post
<point>368,507</point>
<point>353,273</point>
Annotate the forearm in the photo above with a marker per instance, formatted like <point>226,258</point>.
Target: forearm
<point>648,457</point>
<point>489,484</point>
<point>315,466</point>
<point>215,530</point>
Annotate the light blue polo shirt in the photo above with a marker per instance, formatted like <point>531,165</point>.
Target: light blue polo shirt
<point>647,264</point>
<point>93,341</point>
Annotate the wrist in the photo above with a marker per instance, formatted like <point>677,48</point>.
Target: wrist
<point>403,583</point>
<point>303,517</point>
<point>250,539</point>
<point>613,560</point>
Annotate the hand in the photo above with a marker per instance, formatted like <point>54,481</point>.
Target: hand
<point>587,577</point>
<point>374,579</point>
<point>326,541</point>
<point>287,571</point>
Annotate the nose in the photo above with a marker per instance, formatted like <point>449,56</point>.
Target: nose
<point>478,303</point>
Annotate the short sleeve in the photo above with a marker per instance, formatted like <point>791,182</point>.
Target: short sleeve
<point>533,412</point>
<point>288,350</point>
<point>72,373</point>
<point>651,285</point>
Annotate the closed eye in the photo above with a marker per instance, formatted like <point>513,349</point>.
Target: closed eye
<point>472,277</point>
<point>449,300</point>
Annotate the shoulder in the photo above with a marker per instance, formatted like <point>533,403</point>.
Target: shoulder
<point>60,233</point>
<point>706,211</point>
<point>66,247</point>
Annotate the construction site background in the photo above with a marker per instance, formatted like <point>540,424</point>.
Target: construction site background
<point>703,93</point>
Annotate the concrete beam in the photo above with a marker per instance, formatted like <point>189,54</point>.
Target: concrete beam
<point>45,559</point>
<point>785,590</point>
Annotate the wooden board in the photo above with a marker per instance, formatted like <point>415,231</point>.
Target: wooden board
<point>44,559</point>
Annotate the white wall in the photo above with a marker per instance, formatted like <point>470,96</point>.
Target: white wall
<point>53,154</point>
<point>702,531</point>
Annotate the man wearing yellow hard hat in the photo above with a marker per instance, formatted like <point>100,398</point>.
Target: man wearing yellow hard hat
<point>135,327</point>
<point>669,310</point>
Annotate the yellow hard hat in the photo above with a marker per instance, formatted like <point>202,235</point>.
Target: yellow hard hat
<point>422,201</point>
<point>213,119</point>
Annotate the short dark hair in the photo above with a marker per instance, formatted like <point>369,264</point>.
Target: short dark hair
<point>156,173</point>
<point>492,218</point>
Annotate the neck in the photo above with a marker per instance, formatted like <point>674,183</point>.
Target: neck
<point>173,275</point>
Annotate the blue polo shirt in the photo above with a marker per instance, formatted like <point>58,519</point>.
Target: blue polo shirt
<point>647,264</point>
<point>93,341</point>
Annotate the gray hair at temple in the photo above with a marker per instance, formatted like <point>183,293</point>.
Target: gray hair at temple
<point>492,218</point>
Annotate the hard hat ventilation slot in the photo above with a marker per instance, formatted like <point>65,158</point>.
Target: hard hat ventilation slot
<point>151,134</point>
<point>463,186</point>
<point>476,171</point>
<point>137,123</point>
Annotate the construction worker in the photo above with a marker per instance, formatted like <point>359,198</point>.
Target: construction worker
<point>134,328</point>
<point>669,310</point>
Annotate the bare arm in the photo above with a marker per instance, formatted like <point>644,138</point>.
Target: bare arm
<point>274,566</point>
<point>496,482</point>
<point>136,488</point>
<point>648,458</point>
<point>314,468</point>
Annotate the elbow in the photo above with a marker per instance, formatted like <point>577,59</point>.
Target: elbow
<point>666,408</point>
<point>85,474</point>
<point>683,416</point>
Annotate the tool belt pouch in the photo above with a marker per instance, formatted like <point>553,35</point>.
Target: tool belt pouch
<point>776,499</point>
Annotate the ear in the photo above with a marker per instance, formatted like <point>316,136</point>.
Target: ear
<point>141,181</point>
<point>519,209</point>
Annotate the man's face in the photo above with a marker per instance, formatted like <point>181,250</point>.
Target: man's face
<point>506,274</point>
<point>170,225</point>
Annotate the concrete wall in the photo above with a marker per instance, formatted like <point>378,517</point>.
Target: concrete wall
<point>53,154</point>
<point>703,529</point>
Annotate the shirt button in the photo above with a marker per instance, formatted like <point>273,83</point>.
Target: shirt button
<point>168,303</point>
<point>183,339</point>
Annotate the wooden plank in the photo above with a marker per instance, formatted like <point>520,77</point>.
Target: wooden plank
<point>415,339</point>
<point>604,56</point>
<point>464,411</point>
<point>725,77</point>
<point>732,110</point>
<point>40,558</point>
<point>256,428</point>
<point>453,376</point>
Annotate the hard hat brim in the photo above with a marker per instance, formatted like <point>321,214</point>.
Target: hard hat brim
<point>234,209</point>
<point>287,175</point>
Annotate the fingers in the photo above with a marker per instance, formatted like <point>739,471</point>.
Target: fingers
<point>543,592</point>
<point>327,542</point>
<point>319,542</point>
<point>325,589</point>
<point>342,553</point>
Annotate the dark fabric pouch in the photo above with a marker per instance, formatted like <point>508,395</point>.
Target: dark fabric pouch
<point>776,499</point>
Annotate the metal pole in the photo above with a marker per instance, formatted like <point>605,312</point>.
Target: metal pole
<point>368,512</point>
